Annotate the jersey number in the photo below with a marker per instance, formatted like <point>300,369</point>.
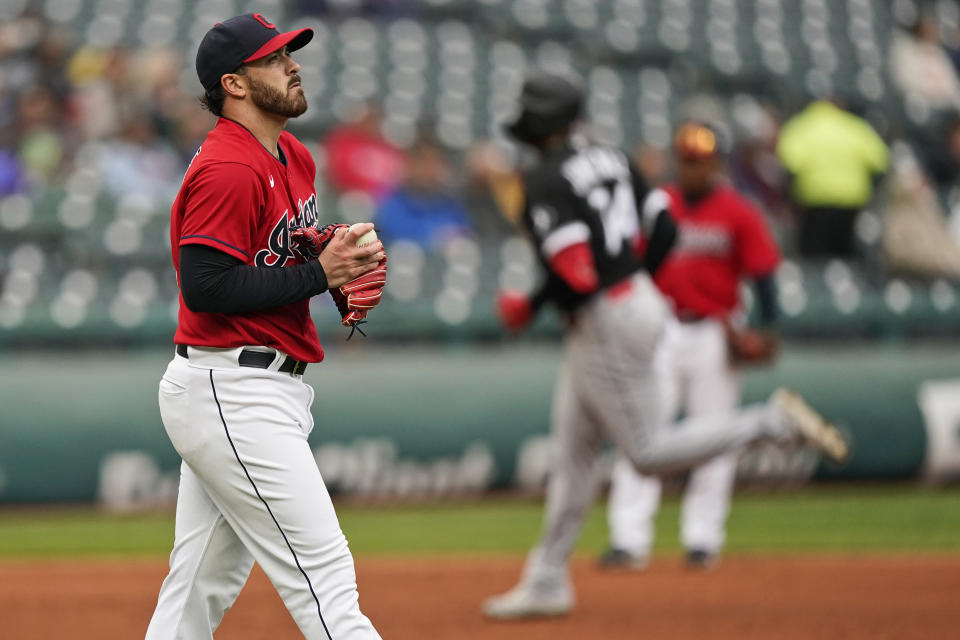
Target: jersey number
<point>618,212</point>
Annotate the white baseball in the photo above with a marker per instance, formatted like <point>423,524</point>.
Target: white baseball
<point>367,238</point>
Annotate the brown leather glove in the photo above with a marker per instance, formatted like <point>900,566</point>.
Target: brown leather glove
<point>749,346</point>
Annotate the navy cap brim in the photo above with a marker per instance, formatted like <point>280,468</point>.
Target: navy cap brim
<point>293,40</point>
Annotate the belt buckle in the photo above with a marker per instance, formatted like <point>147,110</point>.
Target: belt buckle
<point>690,317</point>
<point>619,289</point>
<point>298,367</point>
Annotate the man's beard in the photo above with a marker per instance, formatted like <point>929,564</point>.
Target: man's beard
<point>275,101</point>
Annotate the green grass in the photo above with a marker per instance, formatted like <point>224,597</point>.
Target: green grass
<point>838,519</point>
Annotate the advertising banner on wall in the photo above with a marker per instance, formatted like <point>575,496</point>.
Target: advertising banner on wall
<point>444,422</point>
<point>940,402</point>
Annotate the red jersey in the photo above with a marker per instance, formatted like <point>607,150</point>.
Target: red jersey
<point>357,161</point>
<point>721,238</point>
<point>237,198</point>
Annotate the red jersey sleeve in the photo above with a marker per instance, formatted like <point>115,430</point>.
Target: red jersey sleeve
<point>221,209</point>
<point>756,251</point>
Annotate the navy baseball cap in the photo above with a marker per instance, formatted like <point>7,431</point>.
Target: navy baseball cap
<point>242,39</point>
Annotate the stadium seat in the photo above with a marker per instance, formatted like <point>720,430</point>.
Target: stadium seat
<point>459,65</point>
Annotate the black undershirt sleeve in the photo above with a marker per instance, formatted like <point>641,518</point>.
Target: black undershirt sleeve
<point>546,292</point>
<point>213,281</point>
<point>661,242</point>
<point>766,294</point>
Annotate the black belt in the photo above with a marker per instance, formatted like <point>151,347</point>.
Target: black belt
<point>687,317</point>
<point>259,360</point>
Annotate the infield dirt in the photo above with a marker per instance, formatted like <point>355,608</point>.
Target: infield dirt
<point>875,597</point>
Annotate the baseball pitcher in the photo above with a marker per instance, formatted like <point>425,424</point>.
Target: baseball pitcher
<point>600,233</point>
<point>249,257</point>
<point>722,240</point>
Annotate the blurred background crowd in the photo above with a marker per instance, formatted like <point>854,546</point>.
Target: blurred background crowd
<point>840,118</point>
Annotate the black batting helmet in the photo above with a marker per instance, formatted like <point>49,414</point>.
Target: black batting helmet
<point>548,104</point>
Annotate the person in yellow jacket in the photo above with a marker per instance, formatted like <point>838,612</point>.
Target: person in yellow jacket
<point>833,157</point>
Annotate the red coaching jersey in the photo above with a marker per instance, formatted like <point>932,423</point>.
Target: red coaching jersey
<point>721,239</point>
<point>237,198</point>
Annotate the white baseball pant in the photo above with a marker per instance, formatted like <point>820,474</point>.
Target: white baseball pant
<point>609,387</point>
<point>250,491</point>
<point>698,377</point>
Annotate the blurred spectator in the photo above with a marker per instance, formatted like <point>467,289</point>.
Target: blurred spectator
<point>141,162</point>
<point>755,170</point>
<point>106,95</point>
<point>920,65</point>
<point>951,42</point>
<point>916,238</point>
<point>421,209</point>
<point>20,66</point>
<point>940,151</point>
<point>359,158</point>
<point>12,178</point>
<point>189,130</point>
<point>40,147</point>
<point>51,57</point>
<point>651,162</point>
<point>833,158</point>
<point>493,191</point>
<point>157,72</point>
<point>8,112</point>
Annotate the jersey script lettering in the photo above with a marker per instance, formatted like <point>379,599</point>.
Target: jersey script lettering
<point>279,250</point>
<point>704,240</point>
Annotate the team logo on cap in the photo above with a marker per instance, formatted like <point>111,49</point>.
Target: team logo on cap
<point>259,18</point>
<point>695,141</point>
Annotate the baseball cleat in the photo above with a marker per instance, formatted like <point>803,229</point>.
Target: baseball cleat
<point>812,427</point>
<point>616,559</point>
<point>700,559</point>
<point>527,602</point>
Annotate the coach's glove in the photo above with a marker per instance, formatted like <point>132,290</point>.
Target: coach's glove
<point>514,310</point>
<point>750,346</point>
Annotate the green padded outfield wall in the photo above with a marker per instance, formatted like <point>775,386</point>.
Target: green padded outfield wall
<point>432,415</point>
